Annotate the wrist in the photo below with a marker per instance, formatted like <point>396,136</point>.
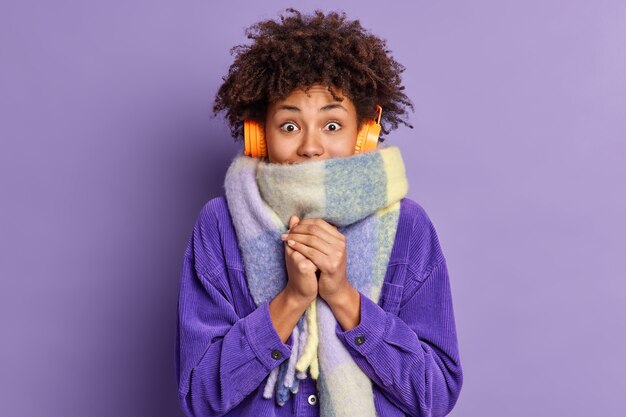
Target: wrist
<point>346,307</point>
<point>296,300</point>
<point>344,295</point>
<point>285,313</point>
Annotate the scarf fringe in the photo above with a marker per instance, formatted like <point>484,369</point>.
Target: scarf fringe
<point>360,195</point>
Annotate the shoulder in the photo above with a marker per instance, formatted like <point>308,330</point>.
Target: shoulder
<point>206,241</point>
<point>214,209</point>
<point>212,214</point>
<point>424,250</point>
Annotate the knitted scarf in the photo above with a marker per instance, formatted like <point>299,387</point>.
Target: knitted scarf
<point>360,195</point>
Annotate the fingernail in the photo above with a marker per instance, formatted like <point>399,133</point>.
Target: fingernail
<point>291,242</point>
<point>283,236</point>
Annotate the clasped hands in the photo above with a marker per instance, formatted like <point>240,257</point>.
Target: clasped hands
<point>314,244</point>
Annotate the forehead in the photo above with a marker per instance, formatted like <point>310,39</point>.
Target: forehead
<point>315,92</point>
<point>315,97</point>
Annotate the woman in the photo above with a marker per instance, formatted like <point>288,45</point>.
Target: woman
<point>314,286</point>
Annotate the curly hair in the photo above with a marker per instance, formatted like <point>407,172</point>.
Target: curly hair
<point>300,51</point>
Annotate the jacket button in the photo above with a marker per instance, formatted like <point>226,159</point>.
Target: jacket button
<point>312,399</point>
<point>276,354</point>
<point>359,340</point>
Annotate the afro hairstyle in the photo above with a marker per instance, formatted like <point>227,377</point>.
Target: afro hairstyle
<point>303,50</point>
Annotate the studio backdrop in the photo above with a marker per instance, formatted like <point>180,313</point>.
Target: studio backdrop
<point>108,151</point>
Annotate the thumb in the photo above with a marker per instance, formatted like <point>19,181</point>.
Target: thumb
<point>293,220</point>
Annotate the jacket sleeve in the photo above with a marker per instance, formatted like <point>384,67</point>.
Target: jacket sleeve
<point>220,357</point>
<point>412,356</point>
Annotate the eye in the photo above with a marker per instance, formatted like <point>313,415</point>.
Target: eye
<point>289,127</point>
<point>333,126</point>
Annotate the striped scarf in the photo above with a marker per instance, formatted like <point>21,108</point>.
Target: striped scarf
<point>360,195</point>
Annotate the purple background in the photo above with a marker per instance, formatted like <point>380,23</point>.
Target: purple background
<point>108,152</point>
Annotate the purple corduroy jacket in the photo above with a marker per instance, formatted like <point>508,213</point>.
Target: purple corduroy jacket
<point>224,342</point>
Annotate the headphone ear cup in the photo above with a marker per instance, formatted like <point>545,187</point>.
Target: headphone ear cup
<point>254,139</point>
<point>367,139</point>
<point>255,146</point>
<point>247,146</point>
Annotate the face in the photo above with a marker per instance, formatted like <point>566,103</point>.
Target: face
<point>310,127</point>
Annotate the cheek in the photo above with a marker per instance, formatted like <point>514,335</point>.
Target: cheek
<point>279,150</point>
<point>349,141</point>
<point>345,147</point>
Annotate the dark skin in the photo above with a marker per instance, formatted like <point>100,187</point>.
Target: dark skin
<point>323,244</point>
<point>304,128</point>
<point>316,244</point>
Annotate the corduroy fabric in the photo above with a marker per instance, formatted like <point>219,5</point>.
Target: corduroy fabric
<point>360,194</point>
<point>225,342</point>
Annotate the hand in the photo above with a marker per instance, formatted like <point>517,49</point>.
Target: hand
<point>324,245</point>
<point>302,283</point>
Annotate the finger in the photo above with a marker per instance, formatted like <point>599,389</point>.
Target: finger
<point>291,252</point>
<point>312,254</point>
<point>311,229</point>
<point>295,255</point>
<point>311,241</point>
<point>322,224</point>
<point>293,220</point>
<point>322,229</point>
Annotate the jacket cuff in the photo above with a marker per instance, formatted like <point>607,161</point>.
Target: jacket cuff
<point>263,338</point>
<point>368,334</point>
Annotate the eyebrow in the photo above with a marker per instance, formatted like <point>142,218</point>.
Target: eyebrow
<point>325,108</point>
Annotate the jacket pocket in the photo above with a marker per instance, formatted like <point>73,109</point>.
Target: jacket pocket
<point>390,296</point>
<point>393,288</point>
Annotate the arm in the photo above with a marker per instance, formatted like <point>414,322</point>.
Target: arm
<point>285,311</point>
<point>413,357</point>
<point>221,358</point>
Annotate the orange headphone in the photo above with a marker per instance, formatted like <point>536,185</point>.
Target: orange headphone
<point>254,137</point>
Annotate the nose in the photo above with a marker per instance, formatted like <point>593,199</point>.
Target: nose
<point>311,145</point>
